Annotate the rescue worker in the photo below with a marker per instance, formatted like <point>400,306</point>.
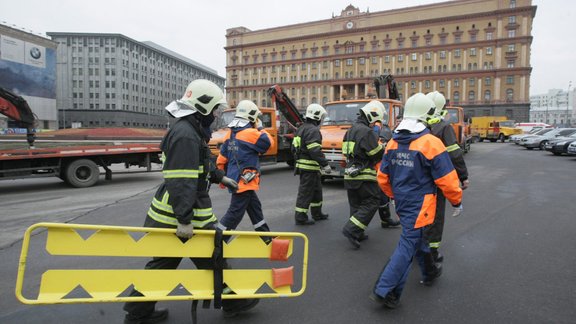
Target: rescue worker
<point>243,143</point>
<point>363,151</point>
<point>415,165</point>
<point>310,160</point>
<point>442,129</point>
<point>384,209</point>
<point>182,200</point>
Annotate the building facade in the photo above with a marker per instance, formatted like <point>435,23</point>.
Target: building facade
<point>475,52</point>
<point>110,80</point>
<point>28,69</point>
<point>555,108</point>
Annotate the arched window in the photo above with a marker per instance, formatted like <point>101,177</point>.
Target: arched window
<point>303,103</point>
<point>324,100</point>
<point>314,100</point>
<point>487,95</point>
<point>456,96</point>
<point>471,96</point>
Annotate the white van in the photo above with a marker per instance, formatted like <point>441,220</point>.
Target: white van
<point>527,127</point>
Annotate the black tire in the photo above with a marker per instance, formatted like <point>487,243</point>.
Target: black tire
<point>82,173</point>
<point>493,140</point>
<point>502,138</point>
<point>542,145</point>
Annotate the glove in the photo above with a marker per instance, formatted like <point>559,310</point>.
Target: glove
<point>231,184</point>
<point>457,210</point>
<point>465,184</point>
<point>185,231</point>
<point>327,169</point>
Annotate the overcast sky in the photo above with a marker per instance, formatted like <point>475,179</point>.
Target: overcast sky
<point>197,28</point>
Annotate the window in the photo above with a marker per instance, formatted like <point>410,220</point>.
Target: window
<point>349,49</point>
<point>412,84</point>
<point>511,33</point>
<point>511,47</point>
<point>456,82</point>
<point>512,3</point>
<point>456,96</point>
<point>427,84</point>
<point>362,61</point>
<point>442,54</point>
<point>471,96</point>
<point>472,82</point>
<point>510,79</point>
<point>349,62</point>
<point>473,51</point>
<point>489,35</point>
<point>441,83</point>
<point>488,81</point>
<point>374,60</point>
<point>488,50</point>
<point>336,62</point>
<point>428,55</point>
<point>512,19</point>
<point>510,64</point>
<point>457,52</point>
<point>400,57</point>
<point>387,59</point>
<point>487,95</point>
<point>509,94</point>
<point>414,56</point>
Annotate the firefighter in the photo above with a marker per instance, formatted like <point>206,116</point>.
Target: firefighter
<point>442,129</point>
<point>363,151</point>
<point>182,200</point>
<point>384,209</point>
<point>244,142</point>
<point>310,161</point>
<point>415,165</point>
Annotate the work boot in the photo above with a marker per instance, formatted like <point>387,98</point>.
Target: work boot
<point>432,269</point>
<point>386,219</point>
<point>352,239</point>
<point>233,307</point>
<point>438,257</point>
<point>317,214</point>
<point>156,316</point>
<point>363,237</point>
<point>302,219</point>
<point>390,301</point>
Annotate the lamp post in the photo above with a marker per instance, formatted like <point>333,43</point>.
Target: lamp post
<point>568,104</point>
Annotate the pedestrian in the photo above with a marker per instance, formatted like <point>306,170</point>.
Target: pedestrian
<point>239,158</point>
<point>310,160</point>
<point>363,151</point>
<point>385,208</point>
<point>182,200</point>
<point>441,128</point>
<point>415,165</point>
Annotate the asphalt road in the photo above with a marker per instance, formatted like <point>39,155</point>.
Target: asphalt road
<point>508,259</point>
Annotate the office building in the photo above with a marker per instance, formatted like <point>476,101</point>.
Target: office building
<point>475,52</point>
<point>110,80</point>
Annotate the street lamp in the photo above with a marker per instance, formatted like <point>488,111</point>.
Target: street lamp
<point>568,104</point>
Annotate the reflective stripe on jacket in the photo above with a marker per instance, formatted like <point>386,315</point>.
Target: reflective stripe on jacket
<point>362,149</point>
<point>307,145</point>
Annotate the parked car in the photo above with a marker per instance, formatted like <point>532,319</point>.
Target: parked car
<point>540,131</point>
<point>572,149</point>
<point>559,145</point>
<point>539,141</point>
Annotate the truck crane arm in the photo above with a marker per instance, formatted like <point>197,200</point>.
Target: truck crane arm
<point>285,106</point>
<point>17,109</point>
<point>386,87</point>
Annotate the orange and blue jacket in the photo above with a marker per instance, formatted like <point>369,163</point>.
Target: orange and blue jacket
<point>414,166</point>
<point>240,152</point>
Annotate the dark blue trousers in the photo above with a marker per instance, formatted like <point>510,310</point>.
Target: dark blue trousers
<point>241,203</point>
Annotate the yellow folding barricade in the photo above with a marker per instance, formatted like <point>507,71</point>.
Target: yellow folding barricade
<point>106,285</point>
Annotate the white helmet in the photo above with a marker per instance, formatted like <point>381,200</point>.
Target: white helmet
<point>201,96</point>
<point>248,110</point>
<point>419,107</point>
<point>315,112</point>
<point>374,111</point>
<point>439,101</point>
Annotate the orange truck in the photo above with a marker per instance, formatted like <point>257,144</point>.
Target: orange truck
<point>340,117</point>
<point>455,116</point>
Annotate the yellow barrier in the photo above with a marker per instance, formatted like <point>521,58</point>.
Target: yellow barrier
<point>105,285</point>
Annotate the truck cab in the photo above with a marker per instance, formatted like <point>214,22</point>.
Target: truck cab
<point>340,117</point>
<point>455,115</point>
<point>493,128</point>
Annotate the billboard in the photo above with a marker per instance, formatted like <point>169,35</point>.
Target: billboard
<point>27,68</point>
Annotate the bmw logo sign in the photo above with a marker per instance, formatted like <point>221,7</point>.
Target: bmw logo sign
<point>35,53</point>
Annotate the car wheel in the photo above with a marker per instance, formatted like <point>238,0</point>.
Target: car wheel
<point>502,138</point>
<point>542,145</point>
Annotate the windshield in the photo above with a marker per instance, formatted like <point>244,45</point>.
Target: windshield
<point>347,113</point>
<point>451,116</point>
<point>225,119</point>
<point>543,131</point>
<point>507,123</point>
